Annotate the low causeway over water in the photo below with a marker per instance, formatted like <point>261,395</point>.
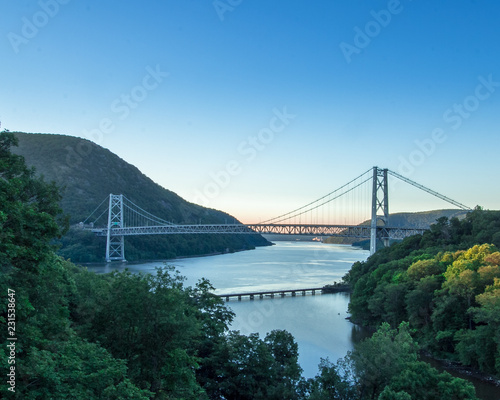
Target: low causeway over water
<point>284,292</point>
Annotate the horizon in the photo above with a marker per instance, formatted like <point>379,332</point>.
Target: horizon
<point>256,109</point>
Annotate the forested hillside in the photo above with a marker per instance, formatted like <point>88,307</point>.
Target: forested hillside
<point>72,334</point>
<point>88,173</point>
<point>445,283</point>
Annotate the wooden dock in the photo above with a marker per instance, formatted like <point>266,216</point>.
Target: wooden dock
<point>284,292</point>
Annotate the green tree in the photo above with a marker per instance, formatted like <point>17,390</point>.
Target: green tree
<point>334,382</point>
<point>148,320</point>
<point>30,216</point>
<point>481,347</point>
<point>378,359</point>
<point>386,366</point>
<point>423,382</point>
<point>286,372</point>
<point>75,369</point>
<point>51,360</point>
<point>260,369</point>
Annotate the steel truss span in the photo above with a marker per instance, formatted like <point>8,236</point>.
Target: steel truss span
<point>356,231</point>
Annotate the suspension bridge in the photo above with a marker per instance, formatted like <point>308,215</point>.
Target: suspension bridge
<point>124,218</point>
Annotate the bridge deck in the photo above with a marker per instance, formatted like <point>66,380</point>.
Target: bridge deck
<point>284,292</point>
<point>356,231</point>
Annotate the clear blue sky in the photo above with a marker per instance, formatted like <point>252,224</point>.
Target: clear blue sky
<point>258,107</point>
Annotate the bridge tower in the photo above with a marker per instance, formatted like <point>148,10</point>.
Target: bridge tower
<point>115,246</point>
<point>380,202</point>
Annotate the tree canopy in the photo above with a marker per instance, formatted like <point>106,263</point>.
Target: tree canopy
<point>134,336</point>
<point>444,284</point>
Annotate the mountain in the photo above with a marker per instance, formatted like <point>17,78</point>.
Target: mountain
<point>422,219</point>
<point>88,173</point>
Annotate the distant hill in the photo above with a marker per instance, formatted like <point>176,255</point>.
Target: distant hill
<point>88,173</point>
<point>423,219</point>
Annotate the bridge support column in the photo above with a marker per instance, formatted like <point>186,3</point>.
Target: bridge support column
<point>115,245</point>
<point>380,201</point>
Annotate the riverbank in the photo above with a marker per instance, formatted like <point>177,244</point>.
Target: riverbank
<point>336,288</point>
<point>461,371</point>
<point>487,386</point>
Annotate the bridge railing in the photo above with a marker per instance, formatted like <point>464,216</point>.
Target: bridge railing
<point>354,231</point>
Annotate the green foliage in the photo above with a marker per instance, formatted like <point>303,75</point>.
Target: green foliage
<point>422,382</point>
<point>386,366</point>
<point>260,369</point>
<point>441,282</point>
<point>383,356</point>
<point>334,382</point>
<point>75,369</point>
<point>29,214</point>
<point>481,347</point>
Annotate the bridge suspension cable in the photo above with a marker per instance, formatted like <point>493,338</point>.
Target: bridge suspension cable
<point>314,205</point>
<point>135,215</point>
<point>140,212</point>
<point>97,208</point>
<point>425,189</point>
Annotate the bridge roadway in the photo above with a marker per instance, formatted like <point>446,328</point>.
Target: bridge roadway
<point>327,289</point>
<point>270,293</point>
<point>354,231</point>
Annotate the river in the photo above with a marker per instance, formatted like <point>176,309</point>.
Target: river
<point>318,323</point>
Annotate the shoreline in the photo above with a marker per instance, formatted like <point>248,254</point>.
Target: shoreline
<point>460,369</point>
<point>452,367</point>
<point>142,261</point>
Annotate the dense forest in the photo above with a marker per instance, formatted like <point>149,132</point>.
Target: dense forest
<point>445,283</point>
<point>87,173</point>
<point>79,335</point>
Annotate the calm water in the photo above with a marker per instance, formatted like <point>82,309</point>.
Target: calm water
<point>317,322</point>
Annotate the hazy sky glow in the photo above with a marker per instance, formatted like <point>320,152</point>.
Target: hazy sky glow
<point>258,107</point>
